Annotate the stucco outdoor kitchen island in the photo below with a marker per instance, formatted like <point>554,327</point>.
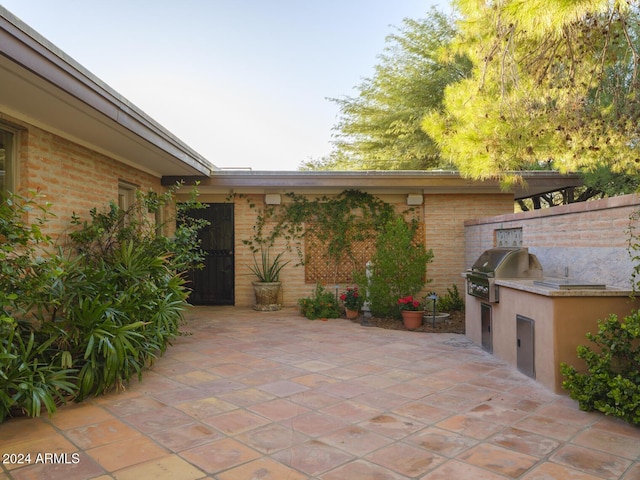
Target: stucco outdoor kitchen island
<point>537,324</point>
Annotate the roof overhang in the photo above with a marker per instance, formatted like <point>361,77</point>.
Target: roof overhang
<point>44,87</point>
<point>387,181</point>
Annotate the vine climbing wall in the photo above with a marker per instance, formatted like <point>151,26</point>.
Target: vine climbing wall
<point>320,268</point>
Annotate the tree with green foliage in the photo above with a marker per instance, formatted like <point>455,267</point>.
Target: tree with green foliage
<point>380,128</point>
<point>554,83</point>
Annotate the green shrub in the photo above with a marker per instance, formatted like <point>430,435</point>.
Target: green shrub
<point>612,381</point>
<point>28,379</point>
<point>452,301</point>
<point>102,236</point>
<point>322,304</point>
<point>399,268</point>
<point>113,317</point>
<point>86,318</point>
<point>25,271</point>
<point>122,300</point>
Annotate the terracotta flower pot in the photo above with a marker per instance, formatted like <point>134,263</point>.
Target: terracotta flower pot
<point>412,318</point>
<point>351,314</point>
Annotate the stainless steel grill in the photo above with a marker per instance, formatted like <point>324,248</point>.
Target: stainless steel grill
<point>500,263</point>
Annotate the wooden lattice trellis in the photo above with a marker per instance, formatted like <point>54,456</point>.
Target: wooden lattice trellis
<point>321,268</point>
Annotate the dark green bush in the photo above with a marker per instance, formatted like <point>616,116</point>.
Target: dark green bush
<point>29,380</point>
<point>612,381</point>
<point>122,302</point>
<point>88,317</point>
<point>322,304</point>
<point>25,272</point>
<point>399,268</point>
<point>114,316</point>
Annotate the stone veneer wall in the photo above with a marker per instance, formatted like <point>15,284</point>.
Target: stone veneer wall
<point>586,241</point>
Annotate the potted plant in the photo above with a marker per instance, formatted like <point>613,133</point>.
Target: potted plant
<point>352,301</point>
<point>267,287</point>
<point>412,311</point>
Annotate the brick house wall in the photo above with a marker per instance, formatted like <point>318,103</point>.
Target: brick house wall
<point>587,240</point>
<point>74,178</point>
<point>443,216</point>
<point>292,276</point>
<point>69,176</point>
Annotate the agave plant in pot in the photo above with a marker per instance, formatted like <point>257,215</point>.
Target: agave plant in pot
<point>267,287</point>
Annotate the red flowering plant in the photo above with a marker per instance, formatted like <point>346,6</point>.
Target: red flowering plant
<point>352,299</point>
<point>409,303</point>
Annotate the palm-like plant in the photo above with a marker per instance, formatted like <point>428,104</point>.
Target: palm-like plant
<point>268,269</point>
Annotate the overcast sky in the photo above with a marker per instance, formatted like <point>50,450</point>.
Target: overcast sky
<point>243,82</point>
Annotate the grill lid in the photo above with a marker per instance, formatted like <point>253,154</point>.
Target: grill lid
<point>505,262</point>
<point>490,259</point>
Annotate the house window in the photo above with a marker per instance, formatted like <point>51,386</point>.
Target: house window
<point>7,161</point>
<point>126,195</point>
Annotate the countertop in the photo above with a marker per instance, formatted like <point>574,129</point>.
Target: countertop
<point>528,285</point>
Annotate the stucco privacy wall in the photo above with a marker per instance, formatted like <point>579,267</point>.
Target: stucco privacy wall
<point>586,240</point>
<point>69,176</point>
<point>443,216</point>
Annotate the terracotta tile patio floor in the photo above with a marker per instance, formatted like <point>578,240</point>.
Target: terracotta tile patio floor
<point>253,395</point>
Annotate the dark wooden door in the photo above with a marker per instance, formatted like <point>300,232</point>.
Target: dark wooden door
<point>214,284</point>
